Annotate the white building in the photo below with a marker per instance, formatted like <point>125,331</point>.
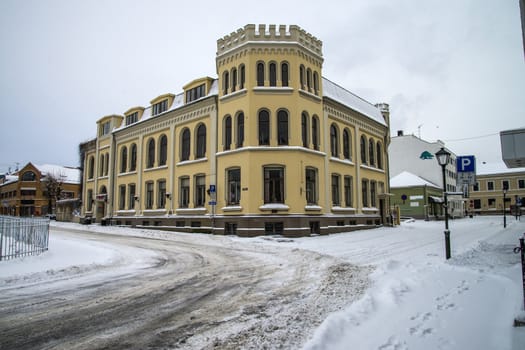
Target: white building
<point>417,156</point>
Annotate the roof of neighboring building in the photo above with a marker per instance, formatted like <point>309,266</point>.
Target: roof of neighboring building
<point>66,174</point>
<point>496,168</point>
<point>407,179</point>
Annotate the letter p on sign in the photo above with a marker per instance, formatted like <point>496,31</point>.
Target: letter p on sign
<point>466,164</point>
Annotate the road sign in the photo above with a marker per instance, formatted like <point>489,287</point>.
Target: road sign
<point>212,202</point>
<point>466,170</point>
<point>212,188</point>
<point>466,164</point>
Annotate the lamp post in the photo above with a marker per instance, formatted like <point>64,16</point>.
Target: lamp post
<point>443,158</point>
<point>504,211</point>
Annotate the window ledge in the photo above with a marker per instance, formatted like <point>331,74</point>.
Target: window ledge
<point>370,209</point>
<point>313,207</point>
<point>343,161</point>
<point>156,168</point>
<point>310,95</point>
<point>368,167</point>
<point>231,208</point>
<point>186,162</point>
<point>234,94</point>
<point>154,211</point>
<point>126,211</point>
<point>191,210</point>
<point>343,209</point>
<point>129,173</point>
<point>274,206</point>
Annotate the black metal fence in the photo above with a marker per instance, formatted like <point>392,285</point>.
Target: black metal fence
<point>21,236</point>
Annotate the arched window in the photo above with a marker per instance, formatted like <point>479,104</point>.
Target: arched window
<point>379,152</point>
<point>225,82</point>
<point>240,130</point>
<point>101,165</point>
<point>124,159</point>
<point>301,76</point>
<point>264,128</point>
<point>29,176</point>
<point>150,159</point>
<point>315,132</point>
<point>309,79</point>
<point>201,142</point>
<point>234,79</point>
<point>284,74</point>
<point>227,132</point>
<point>334,141</point>
<point>304,129</point>
<point>91,167</point>
<point>106,166</point>
<point>273,74</point>
<point>347,142</point>
<point>260,74</point>
<point>371,152</point>
<point>363,149</point>
<point>133,158</point>
<point>243,76</point>
<point>316,83</point>
<point>163,150</point>
<point>282,127</point>
<point>185,146</point>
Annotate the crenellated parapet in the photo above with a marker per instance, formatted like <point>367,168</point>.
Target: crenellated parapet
<point>272,33</point>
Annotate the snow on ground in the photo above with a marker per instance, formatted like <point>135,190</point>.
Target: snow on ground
<point>417,299</point>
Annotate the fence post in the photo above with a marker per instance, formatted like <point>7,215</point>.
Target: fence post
<point>521,250</point>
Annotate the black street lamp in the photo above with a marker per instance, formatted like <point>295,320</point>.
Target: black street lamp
<point>504,207</point>
<point>443,158</point>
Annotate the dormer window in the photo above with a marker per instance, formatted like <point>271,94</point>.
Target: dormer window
<point>195,93</point>
<point>105,128</point>
<point>132,118</point>
<point>160,107</point>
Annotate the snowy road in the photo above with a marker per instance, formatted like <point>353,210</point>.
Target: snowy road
<point>176,291</point>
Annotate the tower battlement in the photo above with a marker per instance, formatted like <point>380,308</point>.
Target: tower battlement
<point>270,33</point>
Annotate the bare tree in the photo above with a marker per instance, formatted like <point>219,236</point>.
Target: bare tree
<point>53,189</point>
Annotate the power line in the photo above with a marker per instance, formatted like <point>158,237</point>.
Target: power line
<point>472,138</point>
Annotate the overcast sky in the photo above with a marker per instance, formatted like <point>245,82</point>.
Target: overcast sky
<point>450,70</point>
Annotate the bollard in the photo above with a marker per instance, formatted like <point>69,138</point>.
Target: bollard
<point>521,250</point>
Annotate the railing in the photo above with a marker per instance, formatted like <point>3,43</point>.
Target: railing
<point>21,236</point>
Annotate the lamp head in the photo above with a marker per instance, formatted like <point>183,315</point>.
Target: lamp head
<point>442,156</point>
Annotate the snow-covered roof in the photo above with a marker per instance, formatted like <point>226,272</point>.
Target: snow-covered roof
<point>341,95</point>
<point>66,174</point>
<point>496,168</point>
<point>178,102</point>
<point>407,179</point>
<point>9,179</point>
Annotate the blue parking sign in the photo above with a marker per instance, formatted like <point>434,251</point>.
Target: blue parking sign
<point>466,164</point>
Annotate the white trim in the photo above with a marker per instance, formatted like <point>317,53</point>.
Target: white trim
<point>338,209</point>
<point>232,208</point>
<point>202,210</point>
<point>274,206</point>
<point>313,208</point>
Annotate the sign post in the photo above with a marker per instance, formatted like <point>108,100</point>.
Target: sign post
<point>212,191</point>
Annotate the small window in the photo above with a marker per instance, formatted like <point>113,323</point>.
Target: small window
<point>284,74</point>
<point>334,141</point>
<point>348,191</point>
<point>301,76</point>
<point>304,129</point>
<point>379,151</point>
<point>371,152</point>
<point>122,197</point>
<point>364,192</point>
<point>475,187</point>
<point>132,118</point>
<point>311,186</point>
<point>201,141</point>
<point>124,159</point>
<point>131,196</point>
<point>29,176</point>
<point>260,74</point>
<point>240,130</point>
<point>347,139</point>
<point>282,127</point>
<point>234,186</point>
<point>273,185</point>
<point>184,199</point>
<point>149,195</point>
<point>105,128</point>
<point>335,190</point>
<point>163,150</point>
<point>264,128</point>
<point>315,133</point>
<point>185,146</point>
<point>133,158</point>
<point>91,167</point>
<point>160,107</point>
<point>234,79</point>
<point>490,186</point>
<point>150,161</point>
<point>227,132</point>
<point>521,183</point>
<point>273,74</point>
<point>161,194</point>
<point>505,185</point>
<point>200,191</point>
<point>243,77</point>
<point>363,149</point>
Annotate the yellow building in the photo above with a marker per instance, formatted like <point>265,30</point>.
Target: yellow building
<point>35,190</point>
<point>495,185</point>
<point>270,146</point>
